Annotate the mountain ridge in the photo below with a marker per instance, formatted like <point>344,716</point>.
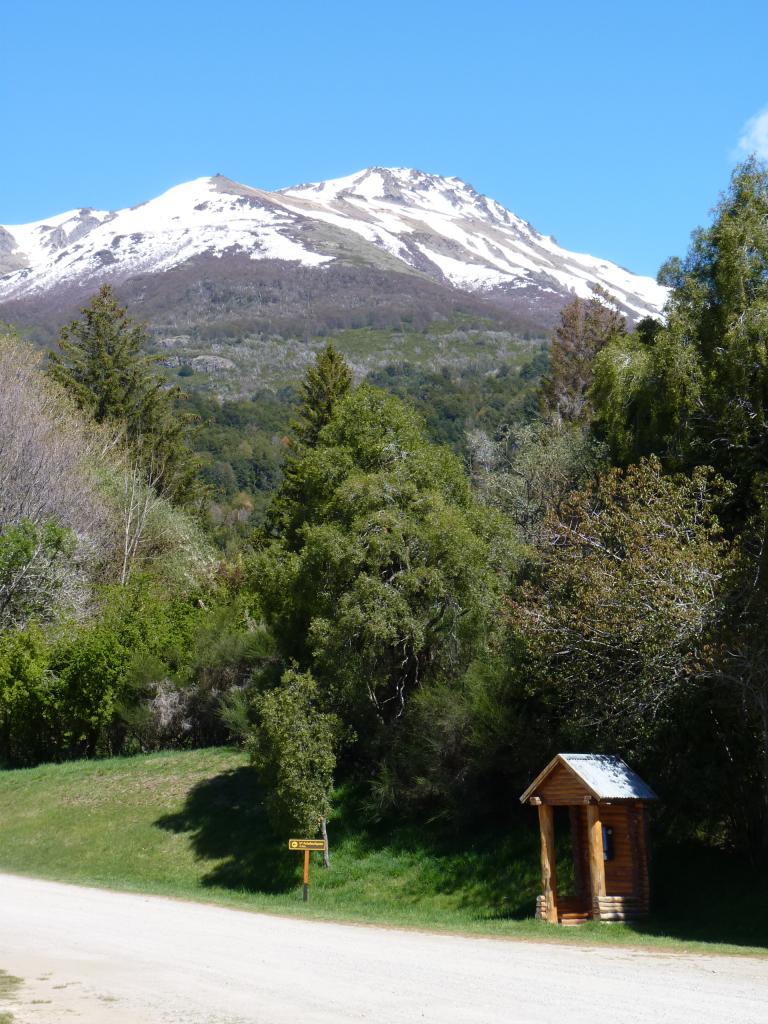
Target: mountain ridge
<point>395,220</point>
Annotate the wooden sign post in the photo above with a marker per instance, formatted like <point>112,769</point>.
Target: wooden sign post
<point>306,845</point>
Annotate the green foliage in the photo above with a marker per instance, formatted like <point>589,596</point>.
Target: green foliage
<point>293,746</point>
<point>28,718</point>
<point>100,362</point>
<point>585,328</point>
<point>387,572</point>
<point>32,563</point>
<point>629,591</point>
<point>532,469</point>
<point>696,391</point>
<point>241,448</point>
<point>461,749</point>
<point>625,402</point>
<point>242,445</point>
<point>91,672</point>
<point>323,386</point>
<point>150,668</point>
<point>457,402</point>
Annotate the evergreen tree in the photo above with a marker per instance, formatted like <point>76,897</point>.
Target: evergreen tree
<point>586,325</point>
<point>324,384</point>
<point>101,363</point>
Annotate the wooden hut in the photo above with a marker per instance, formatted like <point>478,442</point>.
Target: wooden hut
<point>606,805</point>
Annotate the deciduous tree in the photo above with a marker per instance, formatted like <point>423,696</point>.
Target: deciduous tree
<point>628,598</point>
<point>586,326</point>
<point>34,562</point>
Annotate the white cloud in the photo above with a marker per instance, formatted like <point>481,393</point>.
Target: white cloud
<point>754,138</point>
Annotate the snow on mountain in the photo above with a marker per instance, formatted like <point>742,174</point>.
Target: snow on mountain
<point>437,227</point>
<point>474,241</point>
<point>186,221</point>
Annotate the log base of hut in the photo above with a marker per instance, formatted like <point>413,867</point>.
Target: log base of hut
<point>575,910</point>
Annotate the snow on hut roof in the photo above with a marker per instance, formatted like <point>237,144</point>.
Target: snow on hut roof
<point>607,777</point>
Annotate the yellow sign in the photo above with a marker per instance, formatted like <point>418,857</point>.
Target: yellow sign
<point>306,844</point>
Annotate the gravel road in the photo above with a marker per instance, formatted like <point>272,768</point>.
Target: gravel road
<point>87,955</point>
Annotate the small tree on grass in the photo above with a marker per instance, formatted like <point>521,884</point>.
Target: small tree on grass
<point>293,746</point>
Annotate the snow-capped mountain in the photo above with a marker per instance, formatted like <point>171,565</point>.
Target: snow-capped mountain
<point>442,226</point>
<point>390,220</point>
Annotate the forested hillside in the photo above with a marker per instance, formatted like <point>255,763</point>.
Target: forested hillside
<point>415,584</point>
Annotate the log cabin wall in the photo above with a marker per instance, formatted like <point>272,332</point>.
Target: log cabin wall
<point>620,875</point>
<point>626,874</point>
<point>562,788</point>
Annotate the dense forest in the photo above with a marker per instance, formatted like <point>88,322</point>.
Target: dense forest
<point>421,584</point>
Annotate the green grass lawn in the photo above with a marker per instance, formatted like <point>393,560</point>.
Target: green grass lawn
<point>191,825</point>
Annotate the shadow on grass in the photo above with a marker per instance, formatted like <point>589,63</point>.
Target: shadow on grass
<point>697,893</point>
<point>707,895</point>
<point>225,820</point>
<point>490,872</point>
<point>496,877</point>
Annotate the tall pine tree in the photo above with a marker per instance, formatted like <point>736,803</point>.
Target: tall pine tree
<point>101,362</point>
<point>324,384</point>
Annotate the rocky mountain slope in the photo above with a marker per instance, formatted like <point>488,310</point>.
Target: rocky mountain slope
<point>216,263</point>
<point>394,219</point>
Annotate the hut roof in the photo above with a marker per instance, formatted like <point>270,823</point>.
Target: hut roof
<point>605,776</point>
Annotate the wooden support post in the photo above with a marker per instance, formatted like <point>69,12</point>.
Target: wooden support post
<point>306,875</point>
<point>596,858</point>
<point>548,863</point>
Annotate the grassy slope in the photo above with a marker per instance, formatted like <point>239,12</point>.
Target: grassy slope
<point>190,825</point>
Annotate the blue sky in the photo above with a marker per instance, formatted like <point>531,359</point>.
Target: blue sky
<point>613,126</point>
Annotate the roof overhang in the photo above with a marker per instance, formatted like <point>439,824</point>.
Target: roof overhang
<point>617,781</point>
